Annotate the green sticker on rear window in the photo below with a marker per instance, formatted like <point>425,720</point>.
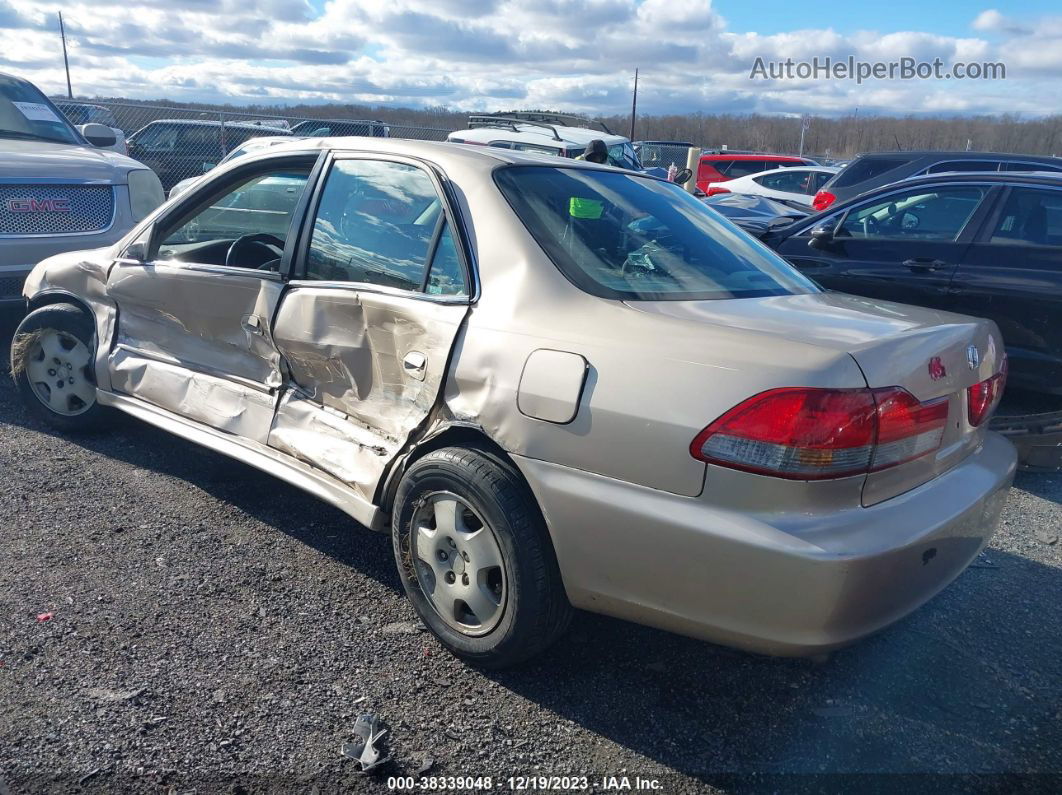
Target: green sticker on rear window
<point>585,208</point>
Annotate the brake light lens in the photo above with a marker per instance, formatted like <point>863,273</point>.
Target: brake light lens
<point>802,433</point>
<point>982,398</point>
<point>714,190</point>
<point>822,200</point>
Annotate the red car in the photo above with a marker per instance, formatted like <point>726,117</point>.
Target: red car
<point>722,166</point>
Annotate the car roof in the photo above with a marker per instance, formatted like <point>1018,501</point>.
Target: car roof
<point>444,154</point>
<point>950,155</point>
<point>239,125</point>
<point>528,133</point>
<point>747,156</point>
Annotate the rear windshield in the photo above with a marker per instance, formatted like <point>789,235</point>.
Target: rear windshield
<point>27,114</point>
<point>867,168</point>
<point>630,237</point>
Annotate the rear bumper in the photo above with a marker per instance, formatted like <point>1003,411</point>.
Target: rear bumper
<point>783,583</point>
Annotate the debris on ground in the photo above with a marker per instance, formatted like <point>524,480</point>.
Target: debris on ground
<point>367,748</point>
<point>401,628</point>
<point>44,617</point>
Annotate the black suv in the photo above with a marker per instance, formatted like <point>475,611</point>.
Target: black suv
<point>986,244</point>
<point>176,149</point>
<point>871,171</point>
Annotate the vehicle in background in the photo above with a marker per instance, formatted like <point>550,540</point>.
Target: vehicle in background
<point>661,154</point>
<point>716,167</point>
<point>794,184</point>
<point>86,113</point>
<point>251,145</point>
<point>176,149</point>
<point>531,132</point>
<point>60,187</point>
<point>331,128</point>
<point>757,215</point>
<point>821,465</point>
<point>985,244</point>
<point>870,171</point>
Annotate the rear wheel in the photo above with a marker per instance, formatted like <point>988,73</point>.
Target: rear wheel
<point>475,557</point>
<point>52,363</point>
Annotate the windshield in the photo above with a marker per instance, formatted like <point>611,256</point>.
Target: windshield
<point>630,237</point>
<point>26,113</point>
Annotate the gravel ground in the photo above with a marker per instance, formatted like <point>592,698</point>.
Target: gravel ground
<point>213,629</point>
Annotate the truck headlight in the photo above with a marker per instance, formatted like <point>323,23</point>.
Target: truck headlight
<point>145,193</point>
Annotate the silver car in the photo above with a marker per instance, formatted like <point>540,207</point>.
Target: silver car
<point>557,385</point>
<point>60,190</point>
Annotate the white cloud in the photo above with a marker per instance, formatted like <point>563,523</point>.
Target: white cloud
<point>485,54</point>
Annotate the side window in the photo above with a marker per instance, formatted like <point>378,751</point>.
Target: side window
<point>375,224</point>
<point>921,214</point>
<point>501,144</point>
<point>261,205</point>
<point>545,150</point>
<point>1017,166</point>
<point>963,165</point>
<point>205,140</point>
<point>820,179</point>
<point>785,180</point>
<point>1030,217</point>
<point>446,276</point>
<point>159,138</point>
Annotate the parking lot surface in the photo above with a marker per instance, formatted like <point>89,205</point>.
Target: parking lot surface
<point>172,620</point>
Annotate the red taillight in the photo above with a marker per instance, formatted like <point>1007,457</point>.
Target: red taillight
<point>982,398</point>
<point>803,433</point>
<point>715,190</point>
<point>822,200</point>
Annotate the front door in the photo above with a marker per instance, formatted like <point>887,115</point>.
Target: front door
<point>194,329</point>
<point>904,246</point>
<point>370,318</point>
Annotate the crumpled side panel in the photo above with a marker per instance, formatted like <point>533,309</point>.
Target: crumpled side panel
<point>216,402</point>
<point>346,351</point>
<point>195,317</point>
<point>328,441</point>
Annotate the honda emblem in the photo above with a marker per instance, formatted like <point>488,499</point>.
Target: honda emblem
<point>973,357</point>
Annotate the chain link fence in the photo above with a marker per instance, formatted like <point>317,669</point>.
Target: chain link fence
<point>182,142</point>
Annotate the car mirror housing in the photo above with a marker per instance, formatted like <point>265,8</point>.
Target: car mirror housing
<point>136,251</point>
<point>683,176</point>
<point>97,134</point>
<point>821,236</point>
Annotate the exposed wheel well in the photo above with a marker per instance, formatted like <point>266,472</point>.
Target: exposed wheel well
<point>454,436</point>
<point>48,299</point>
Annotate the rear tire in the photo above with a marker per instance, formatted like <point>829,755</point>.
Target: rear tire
<point>52,362</point>
<point>464,518</point>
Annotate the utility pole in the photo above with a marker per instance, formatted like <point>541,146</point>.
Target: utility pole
<point>66,62</point>
<point>805,122</point>
<point>634,104</point>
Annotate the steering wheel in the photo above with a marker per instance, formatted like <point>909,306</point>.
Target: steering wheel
<point>262,240</point>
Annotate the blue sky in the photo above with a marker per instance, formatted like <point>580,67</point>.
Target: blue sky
<point>578,55</point>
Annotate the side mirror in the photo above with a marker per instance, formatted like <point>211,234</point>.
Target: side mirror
<point>136,251</point>
<point>683,176</point>
<point>821,237</point>
<point>97,134</point>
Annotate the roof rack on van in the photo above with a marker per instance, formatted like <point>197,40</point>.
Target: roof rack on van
<point>508,123</point>
<point>563,119</point>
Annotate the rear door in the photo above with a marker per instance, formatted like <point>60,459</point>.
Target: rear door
<point>1013,275</point>
<point>902,246</point>
<point>379,291</point>
<point>194,331</point>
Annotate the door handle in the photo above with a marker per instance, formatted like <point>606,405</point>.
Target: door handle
<point>924,264</point>
<point>415,364</point>
<point>252,323</point>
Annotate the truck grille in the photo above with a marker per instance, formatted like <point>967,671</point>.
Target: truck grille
<point>55,209</point>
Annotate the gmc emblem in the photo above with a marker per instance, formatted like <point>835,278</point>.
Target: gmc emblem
<point>38,205</point>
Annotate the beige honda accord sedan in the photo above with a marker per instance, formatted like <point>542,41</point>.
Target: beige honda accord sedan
<point>557,385</point>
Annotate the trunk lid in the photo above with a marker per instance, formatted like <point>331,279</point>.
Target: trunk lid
<point>931,354</point>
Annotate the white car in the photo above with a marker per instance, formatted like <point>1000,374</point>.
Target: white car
<point>528,132</point>
<point>795,184</point>
<point>251,145</point>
